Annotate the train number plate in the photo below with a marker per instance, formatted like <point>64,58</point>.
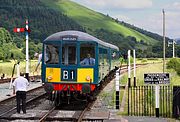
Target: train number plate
<point>68,75</point>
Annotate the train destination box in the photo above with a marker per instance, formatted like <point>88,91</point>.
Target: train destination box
<point>156,78</point>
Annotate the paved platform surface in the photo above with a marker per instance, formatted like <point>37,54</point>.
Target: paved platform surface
<point>5,92</point>
<point>145,119</point>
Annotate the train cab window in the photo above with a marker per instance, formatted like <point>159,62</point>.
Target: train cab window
<point>51,54</point>
<point>69,54</point>
<point>87,54</point>
<point>113,55</point>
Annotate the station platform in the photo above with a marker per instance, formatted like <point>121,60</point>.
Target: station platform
<point>5,92</point>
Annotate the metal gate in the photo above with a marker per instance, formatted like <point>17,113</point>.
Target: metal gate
<point>141,101</point>
<point>176,101</point>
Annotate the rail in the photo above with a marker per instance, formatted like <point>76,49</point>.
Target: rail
<point>43,118</point>
<point>27,102</point>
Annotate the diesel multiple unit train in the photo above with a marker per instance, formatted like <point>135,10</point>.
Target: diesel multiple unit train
<point>74,64</point>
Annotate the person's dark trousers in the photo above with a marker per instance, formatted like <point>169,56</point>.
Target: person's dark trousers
<point>21,96</point>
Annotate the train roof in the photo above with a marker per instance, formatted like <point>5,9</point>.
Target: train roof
<point>81,36</point>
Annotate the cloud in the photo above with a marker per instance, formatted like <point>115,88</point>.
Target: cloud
<point>141,13</point>
<point>176,4</point>
<point>117,4</point>
<point>154,23</point>
<point>173,6</point>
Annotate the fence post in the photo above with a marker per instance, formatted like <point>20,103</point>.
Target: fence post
<point>117,88</point>
<point>134,55</point>
<point>129,68</point>
<point>157,100</point>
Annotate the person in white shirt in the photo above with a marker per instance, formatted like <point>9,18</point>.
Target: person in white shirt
<point>20,85</point>
<point>88,60</point>
<point>39,56</point>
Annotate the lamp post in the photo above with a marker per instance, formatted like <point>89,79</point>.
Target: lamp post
<point>163,40</point>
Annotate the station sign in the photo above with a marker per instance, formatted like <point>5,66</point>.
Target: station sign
<point>69,38</point>
<point>156,78</point>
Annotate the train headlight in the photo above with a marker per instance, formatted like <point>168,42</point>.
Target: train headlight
<point>53,92</point>
<point>49,77</point>
<point>88,78</point>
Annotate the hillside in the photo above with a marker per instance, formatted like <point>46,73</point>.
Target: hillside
<point>50,16</point>
<point>43,20</point>
<point>92,20</point>
<point>178,41</point>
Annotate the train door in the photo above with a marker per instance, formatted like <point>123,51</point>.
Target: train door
<point>69,61</point>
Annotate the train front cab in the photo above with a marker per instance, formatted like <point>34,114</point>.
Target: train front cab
<point>62,67</point>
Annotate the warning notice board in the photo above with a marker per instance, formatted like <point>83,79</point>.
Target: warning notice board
<point>156,78</point>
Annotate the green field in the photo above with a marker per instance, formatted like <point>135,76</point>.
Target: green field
<point>156,67</point>
<point>7,67</point>
<point>94,20</point>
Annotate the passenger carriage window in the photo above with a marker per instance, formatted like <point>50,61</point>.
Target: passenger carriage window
<point>69,54</point>
<point>103,56</point>
<point>51,55</point>
<point>100,56</point>
<point>87,54</point>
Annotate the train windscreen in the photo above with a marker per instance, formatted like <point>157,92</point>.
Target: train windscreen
<point>87,54</point>
<point>51,55</point>
<point>69,54</point>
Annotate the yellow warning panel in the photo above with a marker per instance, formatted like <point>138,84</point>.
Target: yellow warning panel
<point>53,74</point>
<point>85,74</point>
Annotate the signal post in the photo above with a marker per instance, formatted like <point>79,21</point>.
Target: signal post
<point>27,31</point>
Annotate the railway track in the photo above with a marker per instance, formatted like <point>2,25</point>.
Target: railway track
<point>78,114</point>
<point>8,106</point>
<point>43,118</point>
<point>49,115</point>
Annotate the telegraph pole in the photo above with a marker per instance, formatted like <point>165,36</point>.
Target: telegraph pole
<point>164,54</point>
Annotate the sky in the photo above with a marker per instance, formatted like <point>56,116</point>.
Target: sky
<point>145,14</point>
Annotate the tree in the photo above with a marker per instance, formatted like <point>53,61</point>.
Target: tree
<point>5,36</point>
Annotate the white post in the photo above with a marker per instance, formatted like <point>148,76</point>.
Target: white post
<point>129,68</point>
<point>27,51</point>
<point>18,69</point>
<point>173,49</point>
<point>11,81</point>
<point>134,55</point>
<point>157,100</point>
<point>117,89</point>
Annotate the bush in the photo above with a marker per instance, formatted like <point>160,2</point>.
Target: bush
<point>178,71</point>
<point>144,60</point>
<point>174,64</point>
